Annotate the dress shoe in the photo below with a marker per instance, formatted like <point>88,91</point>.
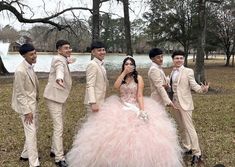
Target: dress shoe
<point>189,152</point>
<point>52,154</point>
<point>196,159</point>
<point>23,159</point>
<point>26,159</point>
<point>61,164</point>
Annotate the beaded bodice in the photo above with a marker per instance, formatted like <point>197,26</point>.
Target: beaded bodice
<point>128,92</point>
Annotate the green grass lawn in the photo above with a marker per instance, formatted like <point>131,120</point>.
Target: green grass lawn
<point>214,118</point>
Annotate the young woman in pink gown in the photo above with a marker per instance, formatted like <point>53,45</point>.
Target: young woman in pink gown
<point>128,131</point>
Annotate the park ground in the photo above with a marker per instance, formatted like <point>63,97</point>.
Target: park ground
<point>214,117</point>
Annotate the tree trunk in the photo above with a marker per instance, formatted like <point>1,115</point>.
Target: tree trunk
<point>3,70</point>
<point>127,27</point>
<point>194,56</point>
<point>233,60</point>
<point>199,66</point>
<point>207,55</point>
<point>228,55</point>
<point>96,20</point>
<point>233,50</point>
<point>186,56</point>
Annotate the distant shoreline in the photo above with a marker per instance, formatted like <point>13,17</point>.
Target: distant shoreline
<point>118,54</point>
<point>75,53</point>
<point>218,61</point>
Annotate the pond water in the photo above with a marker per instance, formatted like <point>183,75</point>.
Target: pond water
<point>112,61</point>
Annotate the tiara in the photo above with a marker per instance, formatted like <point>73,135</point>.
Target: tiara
<point>128,56</point>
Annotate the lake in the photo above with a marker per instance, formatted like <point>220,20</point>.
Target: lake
<point>112,61</point>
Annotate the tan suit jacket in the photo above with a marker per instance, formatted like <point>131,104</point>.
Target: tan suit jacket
<point>96,83</point>
<point>157,78</point>
<point>186,82</point>
<point>59,70</point>
<point>25,90</point>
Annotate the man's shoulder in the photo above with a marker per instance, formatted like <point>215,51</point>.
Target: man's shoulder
<point>58,58</point>
<point>188,69</point>
<point>21,67</point>
<point>154,69</point>
<point>92,63</point>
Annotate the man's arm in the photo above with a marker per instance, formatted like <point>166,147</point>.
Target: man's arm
<point>20,92</point>
<point>193,84</point>
<point>155,76</point>
<point>22,97</point>
<point>59,68</point>
<point>91,73</point>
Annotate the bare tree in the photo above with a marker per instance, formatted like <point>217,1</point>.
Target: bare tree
<point>233,14</point>
<point>19,14</point>
<point>225,25</point>
<point>8,34</point>
<point>127,24</point>
<point>199,66</point>
<point>17,8</point>
<point>96,20</point>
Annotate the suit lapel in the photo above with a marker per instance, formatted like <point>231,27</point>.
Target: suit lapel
<point>69,73</point>
<point>102,70</point>
<point>32,78</point>
<point>180,74</point>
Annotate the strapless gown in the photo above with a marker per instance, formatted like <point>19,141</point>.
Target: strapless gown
<point>116,137</point>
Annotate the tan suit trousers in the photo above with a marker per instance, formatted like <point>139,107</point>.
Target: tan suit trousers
<point>57,111</point>
<point>30,150</point>
<point>187,131</point>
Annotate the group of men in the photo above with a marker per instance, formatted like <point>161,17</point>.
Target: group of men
<point>177,93</point>
<point>26,95</point>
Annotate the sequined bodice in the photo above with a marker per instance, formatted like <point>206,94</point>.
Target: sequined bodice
<point>128,92</point>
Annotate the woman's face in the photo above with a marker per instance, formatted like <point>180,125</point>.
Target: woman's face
<point>128,63</point>
<point>129,66</point>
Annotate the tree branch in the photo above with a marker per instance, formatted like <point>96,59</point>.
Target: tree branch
<point>47,20</point>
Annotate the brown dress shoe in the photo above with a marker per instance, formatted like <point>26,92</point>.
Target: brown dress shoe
<point>189,152</point>
<point>52,155</point>
<point>23,159</point>
<point>61,164</point>
<point>197,160</point>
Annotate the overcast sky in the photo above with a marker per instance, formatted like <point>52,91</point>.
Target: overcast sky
<point>138,8</point>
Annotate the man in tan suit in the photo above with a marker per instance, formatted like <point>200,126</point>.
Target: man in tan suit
<point>157,79</point>
<point>56,93</point>
<point>182,81</point>
<point>96,79</point>
<point>25,101</point>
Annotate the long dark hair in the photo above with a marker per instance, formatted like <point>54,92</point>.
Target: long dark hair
<point>134,74</point>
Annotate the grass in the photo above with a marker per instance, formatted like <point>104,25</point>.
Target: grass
<point>214,118</point>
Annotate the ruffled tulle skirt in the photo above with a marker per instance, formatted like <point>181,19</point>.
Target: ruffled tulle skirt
<point>114,137</point>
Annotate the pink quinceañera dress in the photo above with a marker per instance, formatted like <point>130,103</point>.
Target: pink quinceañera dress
<point>116,137</point>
